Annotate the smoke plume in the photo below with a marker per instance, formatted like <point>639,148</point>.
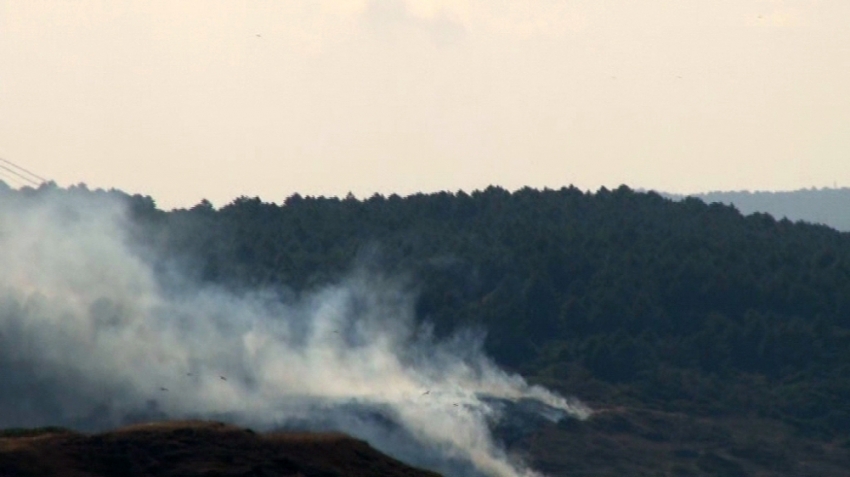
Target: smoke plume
<point>91,336</point>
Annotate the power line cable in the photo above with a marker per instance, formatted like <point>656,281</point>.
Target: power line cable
<point>32,174</point>
<point>30,181</point>
<point>11,180</point>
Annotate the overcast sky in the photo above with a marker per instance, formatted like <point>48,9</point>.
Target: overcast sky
<point>215,99</point>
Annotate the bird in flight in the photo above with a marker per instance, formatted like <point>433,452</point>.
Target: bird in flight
<point>426,392</point>
<point>223,378</point>
<point>188,374</point>
<point>163,389</point>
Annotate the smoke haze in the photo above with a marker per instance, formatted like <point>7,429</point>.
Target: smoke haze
<point>91,336</point>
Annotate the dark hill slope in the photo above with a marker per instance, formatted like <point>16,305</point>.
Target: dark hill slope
<point>625,441</point>
<point>185,449</point>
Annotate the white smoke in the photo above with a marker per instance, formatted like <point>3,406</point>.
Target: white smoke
<point>90,334</point>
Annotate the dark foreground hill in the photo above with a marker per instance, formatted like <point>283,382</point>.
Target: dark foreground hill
<point>614,442</point>
<point>187,449</point>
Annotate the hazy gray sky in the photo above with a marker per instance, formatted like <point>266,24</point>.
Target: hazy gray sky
<point>192,99</point>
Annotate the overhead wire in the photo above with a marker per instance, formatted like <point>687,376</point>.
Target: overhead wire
<point>27,171</point>
<point>10,180</point>
<point>27,180</point>
<point>19,176</point>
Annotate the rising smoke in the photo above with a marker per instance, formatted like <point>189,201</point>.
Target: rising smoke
<point>92,337</point>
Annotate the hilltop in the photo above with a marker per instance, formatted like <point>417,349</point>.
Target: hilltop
<point>192,448</point>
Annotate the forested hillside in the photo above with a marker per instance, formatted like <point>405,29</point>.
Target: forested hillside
<point>624,299</point>
<point>678,305</point>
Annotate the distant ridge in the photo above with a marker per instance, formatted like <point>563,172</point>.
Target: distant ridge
<point>825,206</point>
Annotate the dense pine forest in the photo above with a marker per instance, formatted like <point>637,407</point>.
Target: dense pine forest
<point>626,300</point>
<point>677,305</point>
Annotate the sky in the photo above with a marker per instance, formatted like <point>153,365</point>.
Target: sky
<point>217,99</point>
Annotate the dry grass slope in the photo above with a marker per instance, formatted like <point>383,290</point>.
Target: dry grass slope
<point>192,448</point>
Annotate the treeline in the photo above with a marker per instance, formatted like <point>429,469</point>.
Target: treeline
<point>616,296</point>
